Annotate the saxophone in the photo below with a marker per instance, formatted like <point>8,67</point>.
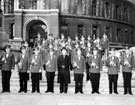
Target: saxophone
<point>4,59</point>
<point>34,60</point>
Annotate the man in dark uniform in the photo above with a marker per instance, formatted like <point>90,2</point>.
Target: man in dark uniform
<point>79,69</point>
<point>23,62</point>
<point>51,67</point>
<point>64,66</point>
<point>8,63</point>
<point>95,64</point>
<point>128,63</point>
<point>36,69</point>
<point>38,40</point>
<point>113,69</point>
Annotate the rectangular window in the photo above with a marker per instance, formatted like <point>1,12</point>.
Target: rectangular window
<point>64,6</point>
<point>94,7</point>
<point>80,30</point>
<point>118,35</point>
<point>64,30</point>
<point>94,32</point>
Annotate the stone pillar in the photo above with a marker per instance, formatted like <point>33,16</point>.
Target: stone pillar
<point>16,4</point>
<point>97,8</point>
<point>18,29</point>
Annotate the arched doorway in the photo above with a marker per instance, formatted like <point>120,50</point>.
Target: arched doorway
<point>33,28</point>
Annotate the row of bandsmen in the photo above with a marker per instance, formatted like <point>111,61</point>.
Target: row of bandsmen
<point>63,64</point>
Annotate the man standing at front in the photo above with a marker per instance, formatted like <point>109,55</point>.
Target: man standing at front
<point>8,64</point>
<point>79,68</point>
<point>64,66</point>
<point>95,64</point>
<point>113,69</point>
<point>128,63</point>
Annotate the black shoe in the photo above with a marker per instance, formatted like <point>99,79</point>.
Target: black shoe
<point>130,93</point>
<point>8,91</point>
<point>110,92</point>
<point>20,91</point>
<point>33,92</point>
<point>3,92</point>
<point>61,91</point>
<point>46,91</point>
<point>98,92</point>
<point>76,92</point>
<point>125,93</point>
<point>81,92</point>
<point>116,92</point>
<point>92,92</point>
<point>25,91</point>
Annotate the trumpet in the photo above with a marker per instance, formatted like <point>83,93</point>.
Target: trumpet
<point>20,64</point>
<point>76,65</point>
<point>33,61</point>
<point>94,65</point>
<point>112,64</point>
<point>126,63</point>
<point>48,63</point>
<point>4,60</point>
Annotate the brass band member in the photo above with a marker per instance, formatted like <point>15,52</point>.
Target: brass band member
<point>38,40</point>
<point>64,66</point>
<point>95,64</point>
<point>8,63</point>
<point>79,68</point>
<point>23,68</point>
<point>128,63</point>
<point>113,69</point>
<point>36,69</point>
<point>51,67</point>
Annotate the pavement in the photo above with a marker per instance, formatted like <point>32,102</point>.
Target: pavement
<point>65,99</point>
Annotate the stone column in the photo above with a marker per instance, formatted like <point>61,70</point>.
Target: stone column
<point>16,4</point>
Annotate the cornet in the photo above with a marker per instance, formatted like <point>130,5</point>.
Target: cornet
<point>4,59</point>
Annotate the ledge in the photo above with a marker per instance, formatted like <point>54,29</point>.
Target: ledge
<point>95,18</point>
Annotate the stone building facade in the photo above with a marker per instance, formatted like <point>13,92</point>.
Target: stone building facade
<point>23,19</point>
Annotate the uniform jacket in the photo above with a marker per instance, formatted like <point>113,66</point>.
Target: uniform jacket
<point>105,43</point>
<point>52,66</point>
<point>37,41</point>
<point>80,63</point>
<point>25,62</point>
<point>97,62</point>
<point>113,65</point>
<point>8,63</point>
<point>130,63</point>
<point>37,65</point>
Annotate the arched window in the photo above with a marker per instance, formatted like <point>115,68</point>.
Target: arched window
<point>79,7</point>
<point>125,14</point>
<point>117,12</point>
<point>107,9</point>
<point>65,6</point>
<point>94,7</point>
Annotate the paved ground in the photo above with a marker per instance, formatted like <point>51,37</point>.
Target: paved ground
<point>65,99</point>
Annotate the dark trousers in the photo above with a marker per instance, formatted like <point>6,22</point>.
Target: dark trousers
<point>127,82</point>
<point>50,81</point>
<point>23,81</point>
<point>63,84</point>
<point>95,78</point>
<point>63,87</point>
<point>113,83</point>
<point>35,82</point>
<point>78,83</point>
<point>6,75</point>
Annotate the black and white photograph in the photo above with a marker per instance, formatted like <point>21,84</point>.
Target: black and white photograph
<point>67,52</point>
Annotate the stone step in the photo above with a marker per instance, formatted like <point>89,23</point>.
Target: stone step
<point>104,87</point>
